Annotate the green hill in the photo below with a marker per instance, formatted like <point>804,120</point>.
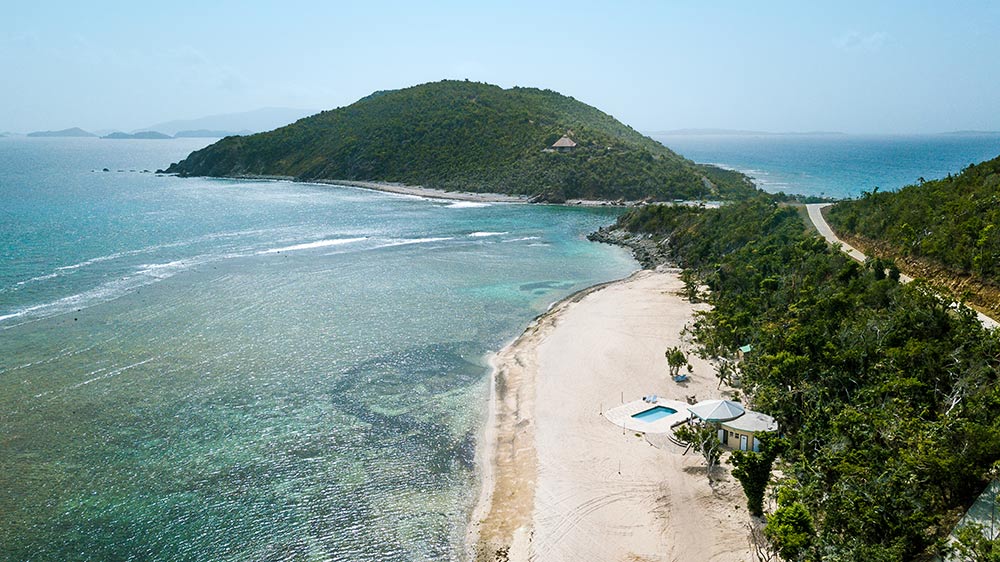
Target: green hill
<point>953,222</point>
<point>469,136</point>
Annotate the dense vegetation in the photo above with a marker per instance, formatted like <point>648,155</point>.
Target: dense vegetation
<point>886,395</point>
<point>952,221</point>
<point>472,137</point>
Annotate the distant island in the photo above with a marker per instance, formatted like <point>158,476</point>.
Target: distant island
<point>240,123</point>
<point>206,133</point>
<point>469,136</point>
<point>139,135</point>
<point>74,132</point>
<point>738,133</point>
<point>972,132</point>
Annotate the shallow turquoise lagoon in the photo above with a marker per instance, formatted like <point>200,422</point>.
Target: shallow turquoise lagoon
<point>199,369</point>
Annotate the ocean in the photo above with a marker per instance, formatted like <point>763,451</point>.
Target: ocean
<point>838,166</point>
<point>202,369</point>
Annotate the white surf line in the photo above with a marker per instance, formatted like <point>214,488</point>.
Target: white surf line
<point>316,244</point>
<point>410,241</point>
<point>466,205</point>
<point>816,216</point>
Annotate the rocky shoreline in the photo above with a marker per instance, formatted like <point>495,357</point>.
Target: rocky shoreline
<point>648,251</point>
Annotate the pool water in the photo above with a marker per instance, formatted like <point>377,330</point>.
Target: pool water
<point>655,413</point>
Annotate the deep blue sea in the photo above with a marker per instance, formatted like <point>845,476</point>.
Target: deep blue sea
<point>839,166</point>
<point>196,369</point>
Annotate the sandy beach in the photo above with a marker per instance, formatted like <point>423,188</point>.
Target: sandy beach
<point>561,482</point>
<point>419,191</point>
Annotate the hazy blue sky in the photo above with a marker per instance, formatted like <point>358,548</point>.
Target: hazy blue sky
<point>866,67</point>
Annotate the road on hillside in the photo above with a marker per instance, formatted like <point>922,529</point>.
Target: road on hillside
<point>816,216</point>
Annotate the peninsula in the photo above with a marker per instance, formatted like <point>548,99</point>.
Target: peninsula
<point>469,136</point>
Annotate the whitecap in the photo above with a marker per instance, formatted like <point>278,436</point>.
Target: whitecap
<point>102,293</point>
<point>39,278</point>
<point>164,270</point>
<point>316,244</point>
<point>92,261</point>
<point>409,241</point>
<point>485,234</point>
<point>113,289</point>
<point>466,205</point>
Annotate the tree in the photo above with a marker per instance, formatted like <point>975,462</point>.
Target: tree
<point>703,438</point>
<point>675,360</point>
<point>790,530</point>
<point>690,292</point>
<point>753,470</point>
<point>887,395</point>
<point>724,371</point>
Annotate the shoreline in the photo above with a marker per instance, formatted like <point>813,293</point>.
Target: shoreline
<point>385,187</point>
<point>561,482</point>
<point>427,192</point>
<point>432,193</point>
<point>494,526</point>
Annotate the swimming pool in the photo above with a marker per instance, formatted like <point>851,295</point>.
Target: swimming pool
<point>654,413</point>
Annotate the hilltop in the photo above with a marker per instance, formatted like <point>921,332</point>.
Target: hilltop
<point>73,132</point>
<point>469,136</point>
<point>945,230</point>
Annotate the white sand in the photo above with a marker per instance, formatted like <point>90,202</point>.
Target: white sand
<point>429,193</point>
<point>568,484</point>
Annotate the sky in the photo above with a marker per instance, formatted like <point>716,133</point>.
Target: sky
<point>858,67</point>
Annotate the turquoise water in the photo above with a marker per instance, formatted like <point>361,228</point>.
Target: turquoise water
<point>838,165</point>
<point>655,413</point>
<point>199,369</point>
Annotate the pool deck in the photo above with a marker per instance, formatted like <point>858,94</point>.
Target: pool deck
<point>622,415</point>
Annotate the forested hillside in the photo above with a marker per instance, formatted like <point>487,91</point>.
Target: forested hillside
<point>953,222</point>
<point>887,395</point>
<point>470,136</point>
